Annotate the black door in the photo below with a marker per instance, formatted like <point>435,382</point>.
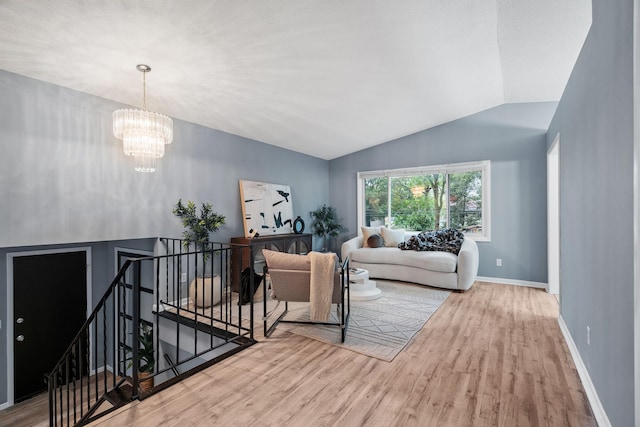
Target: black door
<point>49,306</point>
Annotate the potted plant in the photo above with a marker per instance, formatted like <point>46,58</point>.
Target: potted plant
<point>146,357</point>
<point>325,223</point>
<point>197,227</point>
<point>197,230</point>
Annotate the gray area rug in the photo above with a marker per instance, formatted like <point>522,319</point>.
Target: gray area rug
<point>379,328</point>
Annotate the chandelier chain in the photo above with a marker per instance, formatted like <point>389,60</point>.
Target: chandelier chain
<point>144,90</point>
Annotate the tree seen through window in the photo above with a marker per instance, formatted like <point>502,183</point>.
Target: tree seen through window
<point>425,201</point>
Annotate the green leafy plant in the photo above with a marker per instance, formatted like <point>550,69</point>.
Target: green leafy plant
<point>325,223</point>
<point>197,227</point>
<point>145,350</point>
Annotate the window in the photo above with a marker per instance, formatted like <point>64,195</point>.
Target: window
<point>427,198</point>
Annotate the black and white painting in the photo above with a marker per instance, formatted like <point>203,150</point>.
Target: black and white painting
<point>266,208</point>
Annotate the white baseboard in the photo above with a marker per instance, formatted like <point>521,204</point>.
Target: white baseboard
<point>5,405</point>
<point>514,282</point>
<point>101,369</point>
<point>589,388</point>
<point>182,303</point>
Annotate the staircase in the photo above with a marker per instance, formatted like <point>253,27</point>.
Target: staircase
<point>146,321</point>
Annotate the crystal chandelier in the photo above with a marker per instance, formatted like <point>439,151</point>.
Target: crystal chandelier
<point>143,133</point>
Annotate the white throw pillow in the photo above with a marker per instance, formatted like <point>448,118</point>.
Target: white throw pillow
<point>368,232</point>
<point>392,238</point>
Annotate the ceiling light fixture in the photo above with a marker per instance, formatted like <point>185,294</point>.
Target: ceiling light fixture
<point>143,133</point>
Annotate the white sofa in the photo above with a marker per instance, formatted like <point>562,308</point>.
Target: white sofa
<point>438,269</point>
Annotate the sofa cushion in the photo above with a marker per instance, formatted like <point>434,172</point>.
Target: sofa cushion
<point>368,232</point>
<point>435,261</point>
<point>392,238</point>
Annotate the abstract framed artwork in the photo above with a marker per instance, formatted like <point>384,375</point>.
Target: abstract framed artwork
<point>266,208</point>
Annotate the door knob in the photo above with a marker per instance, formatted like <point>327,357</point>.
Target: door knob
<point>20,338</point>
<point>19,320</point>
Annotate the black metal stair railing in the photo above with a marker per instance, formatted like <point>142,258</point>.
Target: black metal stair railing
<point>148,331</point>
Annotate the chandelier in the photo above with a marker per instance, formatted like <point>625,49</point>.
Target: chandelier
<point>143,133</point>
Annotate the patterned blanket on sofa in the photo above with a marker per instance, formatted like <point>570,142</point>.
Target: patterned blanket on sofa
<point>446,240</point>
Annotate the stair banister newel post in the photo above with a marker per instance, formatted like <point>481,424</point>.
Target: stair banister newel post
<point>135,334</point>
<point>251,286</point>
<point>156,339</point>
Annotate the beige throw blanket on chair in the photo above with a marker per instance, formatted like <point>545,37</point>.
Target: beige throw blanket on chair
<point>323,267</point>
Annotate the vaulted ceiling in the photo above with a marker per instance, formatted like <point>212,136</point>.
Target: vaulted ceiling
<point>321,77</point>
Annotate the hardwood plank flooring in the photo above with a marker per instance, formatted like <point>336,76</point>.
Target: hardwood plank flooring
<point>492,356</point>
<point>34,412</point>
<point>30,413</point>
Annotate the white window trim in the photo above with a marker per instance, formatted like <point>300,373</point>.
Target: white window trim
<point>484,166</point>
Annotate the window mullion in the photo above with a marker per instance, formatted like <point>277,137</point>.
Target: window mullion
<point>388,224</point>
<point>446,200</point>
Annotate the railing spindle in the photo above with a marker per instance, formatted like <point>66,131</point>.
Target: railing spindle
<point>105,379</point>
<point>95,358</point>
<point>74,373</point>
<point>66,374</point>
<point>81,363</point>
<point>114,347</point>
<point>61,400</point>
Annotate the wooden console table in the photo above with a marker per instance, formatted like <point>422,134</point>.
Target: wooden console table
<point>241,257</point>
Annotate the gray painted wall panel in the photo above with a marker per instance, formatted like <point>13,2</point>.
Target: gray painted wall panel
<point>513,137</point>
<point>595,122</point>
<point>65,180</point>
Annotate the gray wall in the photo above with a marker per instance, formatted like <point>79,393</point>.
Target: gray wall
<point>65,179</point>
<point>513,137</point>
<point>595,122</point>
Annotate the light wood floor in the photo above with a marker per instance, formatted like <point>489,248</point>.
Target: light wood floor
<point>492,356</point>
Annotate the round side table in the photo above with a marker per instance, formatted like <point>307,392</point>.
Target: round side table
<point>362,289</point>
